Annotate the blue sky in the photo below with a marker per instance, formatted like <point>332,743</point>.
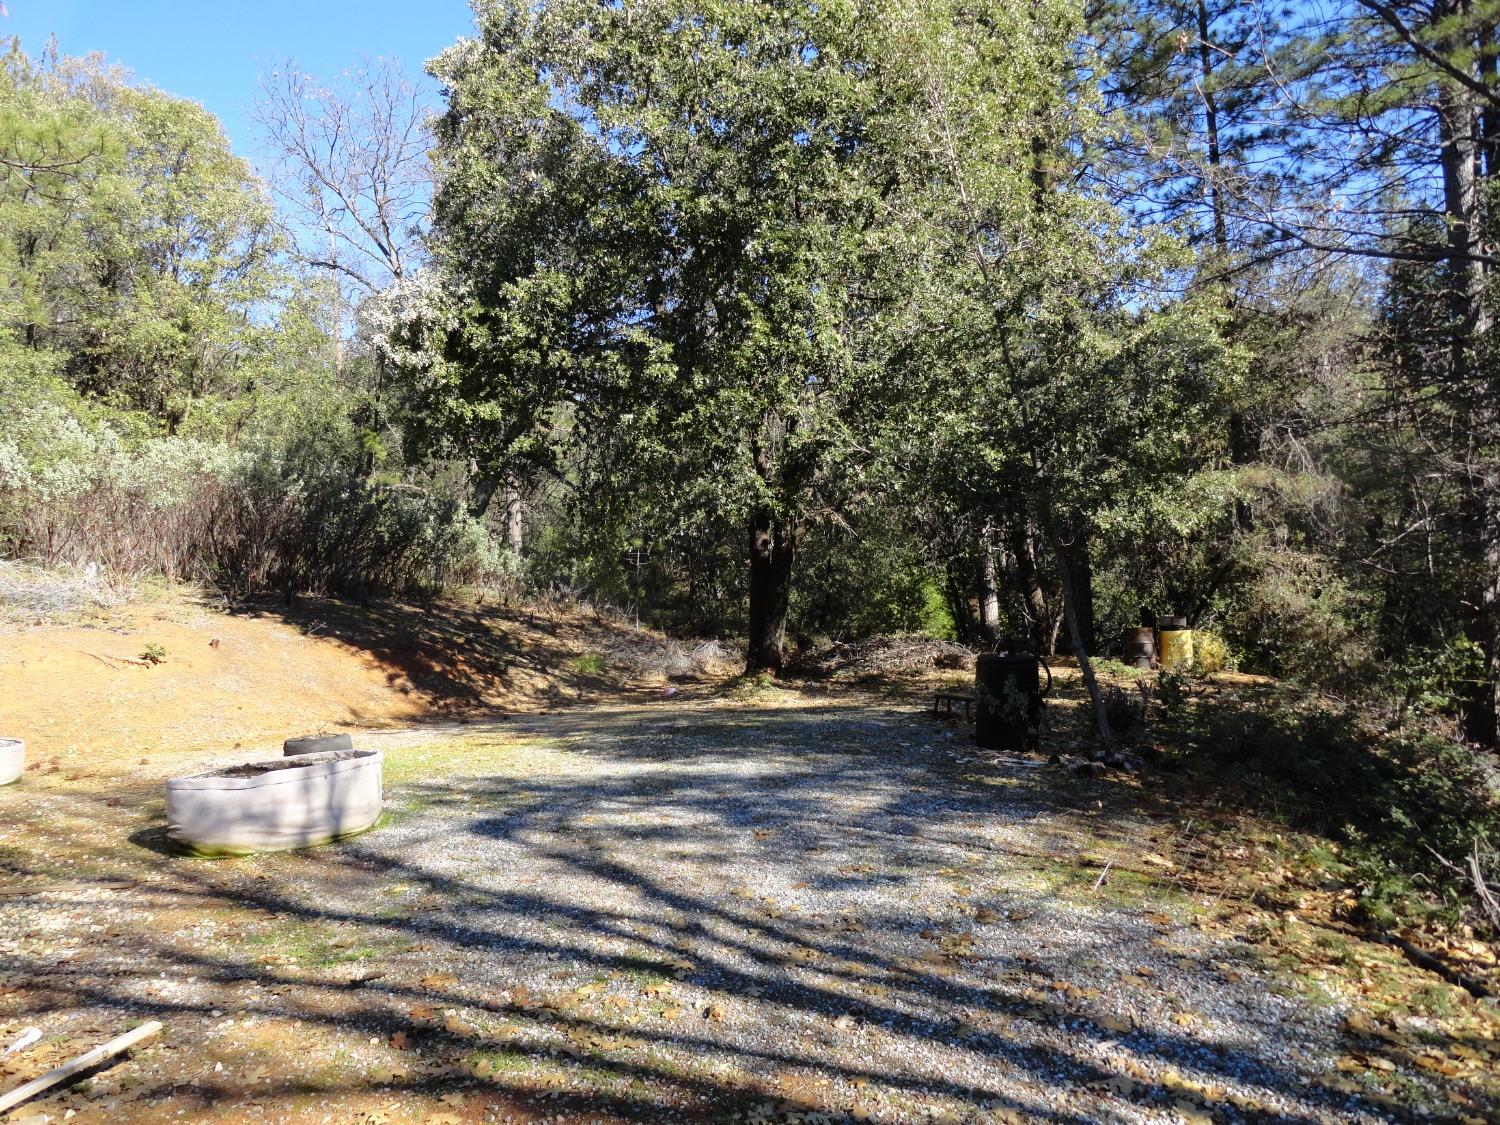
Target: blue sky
<point>213,50</point>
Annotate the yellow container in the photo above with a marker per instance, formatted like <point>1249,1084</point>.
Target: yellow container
<point>1176,648</point>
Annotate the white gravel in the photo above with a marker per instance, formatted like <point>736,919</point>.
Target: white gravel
<point>790,910</point>
<point>808,865</point>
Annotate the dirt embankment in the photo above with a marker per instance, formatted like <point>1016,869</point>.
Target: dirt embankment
<point>181,675</point>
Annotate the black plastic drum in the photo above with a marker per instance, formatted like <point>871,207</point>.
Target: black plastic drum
<point>1008,691</point>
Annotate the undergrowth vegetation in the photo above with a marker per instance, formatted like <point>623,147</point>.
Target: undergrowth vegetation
<point>280,509</point>
<point>1405,806</point>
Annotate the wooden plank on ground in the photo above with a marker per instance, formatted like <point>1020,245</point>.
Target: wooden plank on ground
<point>74,1067</point>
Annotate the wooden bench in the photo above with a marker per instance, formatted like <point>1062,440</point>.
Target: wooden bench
<point>943,703</point>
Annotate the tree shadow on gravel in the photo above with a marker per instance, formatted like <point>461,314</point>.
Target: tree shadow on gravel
<point>813,890</point>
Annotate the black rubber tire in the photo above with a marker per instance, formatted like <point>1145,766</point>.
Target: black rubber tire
<point>317,744</point>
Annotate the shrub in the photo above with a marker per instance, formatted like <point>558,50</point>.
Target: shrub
<point>1126,707</point>
<point>651,654</point>
<point>72,493</point>
<point>590,664</point>
<point>1303,620</point>
<point>1393,800</point>
<point>34,594</point>
<point>871,583</point>
<point>289,511</point>
<point>474,555</point>
<point>1118,669</point>
<point>1434,680</point>
<point>1211,653</point>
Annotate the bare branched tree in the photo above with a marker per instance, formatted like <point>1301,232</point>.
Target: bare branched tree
<point>349,161</point>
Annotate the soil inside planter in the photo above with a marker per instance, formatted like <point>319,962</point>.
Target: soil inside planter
<point>256,769</point>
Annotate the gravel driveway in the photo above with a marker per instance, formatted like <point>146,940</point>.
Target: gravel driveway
<point>788,909</point>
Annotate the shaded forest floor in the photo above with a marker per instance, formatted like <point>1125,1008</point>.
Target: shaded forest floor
<point>706,901</point>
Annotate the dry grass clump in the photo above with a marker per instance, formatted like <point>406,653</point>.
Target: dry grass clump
<point>879,658</point>
<point>650,654</point>
<point>35,595</point>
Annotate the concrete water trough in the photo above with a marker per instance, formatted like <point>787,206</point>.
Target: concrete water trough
<point>12,759</point>
<point>274,805</point>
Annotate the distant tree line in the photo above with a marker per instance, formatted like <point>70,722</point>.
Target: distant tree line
<point>803,321</point>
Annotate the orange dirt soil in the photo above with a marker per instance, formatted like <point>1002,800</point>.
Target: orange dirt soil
<point>253,676</point>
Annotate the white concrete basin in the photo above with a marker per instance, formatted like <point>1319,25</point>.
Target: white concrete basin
<point>12,759</point>
<point>274,805</point>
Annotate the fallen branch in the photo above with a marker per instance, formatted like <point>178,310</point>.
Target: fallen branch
<point>1424,960</point>
<point>115,661</point>
<point>1099,882</point>
<point>106,884</point>
<point>1473,870</point>
<point>74,1067</point>
<point>1482,888</point>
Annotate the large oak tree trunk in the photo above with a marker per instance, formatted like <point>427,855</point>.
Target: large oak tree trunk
<point>515,517</point>
<point>772,549</point>
<point>483,487</point>
<point>1043,627</point>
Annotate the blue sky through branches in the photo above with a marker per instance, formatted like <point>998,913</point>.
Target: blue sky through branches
<point>213,52</point>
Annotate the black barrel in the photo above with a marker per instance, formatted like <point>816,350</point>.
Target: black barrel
<point>1009,691</point>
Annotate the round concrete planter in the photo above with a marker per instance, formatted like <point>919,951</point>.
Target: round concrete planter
<point>274,805</point>
<point>12,759</point>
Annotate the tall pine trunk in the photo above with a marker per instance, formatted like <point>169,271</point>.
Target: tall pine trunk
<point>1482,544</point>
<point>1459,129</point>
<point>1487,709</point>
<point>772,550</point>
<point>1211,130</point>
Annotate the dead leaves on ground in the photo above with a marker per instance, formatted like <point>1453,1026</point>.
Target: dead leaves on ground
<point>588,1040</point>
<point>1194,1101</point>
<point>952,947</point>
<point>456,1025</point>
<point>1378,1048</point>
